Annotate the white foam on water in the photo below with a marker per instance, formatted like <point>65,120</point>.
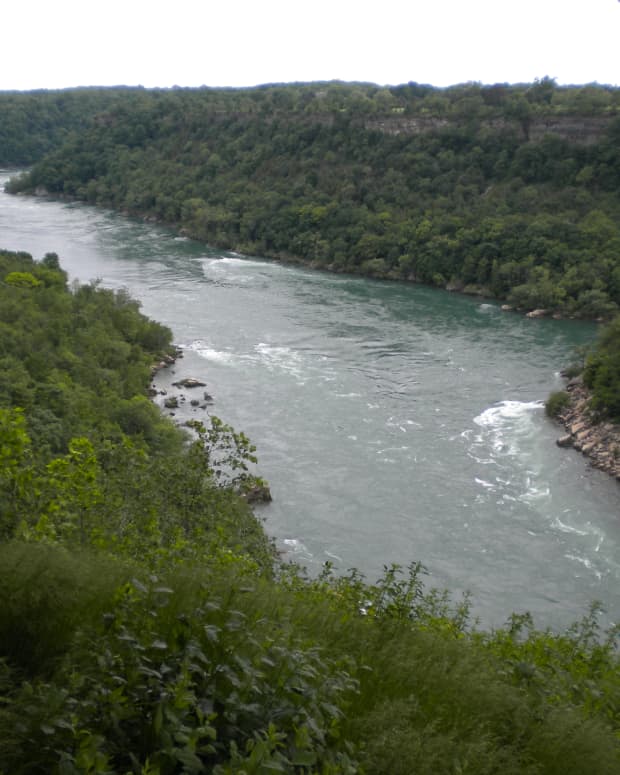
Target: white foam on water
<point>589,531</point>
<point>585,562</point>
<point>534,494</point>
<point>564,528</point>
<point>276,357</point>
<point>504,411</point>
<point>232,261</point>
<point>296,547</point>
<point>197,344</point>
<point>215,356</point>
<point>228,261</point>
<point>483,461</point>
<point>392,423</point>
<point>504,426</point>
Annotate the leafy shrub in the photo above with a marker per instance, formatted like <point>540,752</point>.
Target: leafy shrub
<point>22,280</point>
<point>183,682</point>
<point>556,403</point>
<point>574,370</point>
<point>602,371</point>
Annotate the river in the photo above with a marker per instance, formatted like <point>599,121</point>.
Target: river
<point>393,422</point>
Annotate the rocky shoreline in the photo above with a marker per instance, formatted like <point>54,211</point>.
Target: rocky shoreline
<point>599,441</point>
<point>253,489</point>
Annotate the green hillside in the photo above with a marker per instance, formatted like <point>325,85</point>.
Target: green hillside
<point>507,191</point>
<point>147,627</point>
<point>33,123</point>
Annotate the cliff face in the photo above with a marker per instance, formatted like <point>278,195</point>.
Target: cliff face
<point>584,130</point>
<point>576,129</point>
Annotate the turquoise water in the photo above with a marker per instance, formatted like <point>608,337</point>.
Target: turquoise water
<point>393,422</point>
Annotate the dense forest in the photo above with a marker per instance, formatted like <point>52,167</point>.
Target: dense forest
<point>34,123</point>
<point>146,625</point>
<point>506,191</point>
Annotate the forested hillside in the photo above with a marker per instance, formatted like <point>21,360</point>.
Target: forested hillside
<point>147,627</point>
<point>510,191</point>
<point>33,123</point>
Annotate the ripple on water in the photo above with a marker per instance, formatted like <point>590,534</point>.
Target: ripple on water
<point>436,364</point>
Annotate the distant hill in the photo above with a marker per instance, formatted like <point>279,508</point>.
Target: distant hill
<point>507,191</point>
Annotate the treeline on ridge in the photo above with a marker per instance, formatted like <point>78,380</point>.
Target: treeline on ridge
<point>147,627</point>
<point>510,191</point>
<point>36,122</point>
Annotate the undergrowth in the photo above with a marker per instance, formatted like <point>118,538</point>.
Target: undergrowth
<point>213,668</point>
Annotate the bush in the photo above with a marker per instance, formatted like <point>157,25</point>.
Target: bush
<point>556,403</point>
<point>602,372</point>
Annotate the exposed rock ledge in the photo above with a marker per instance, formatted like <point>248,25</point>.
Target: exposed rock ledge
<point>600,441</point>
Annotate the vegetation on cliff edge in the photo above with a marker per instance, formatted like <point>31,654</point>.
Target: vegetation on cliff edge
<point>146,628</point>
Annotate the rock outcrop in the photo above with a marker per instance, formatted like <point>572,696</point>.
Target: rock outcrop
<point>600,441</point>
<point>189,382</point>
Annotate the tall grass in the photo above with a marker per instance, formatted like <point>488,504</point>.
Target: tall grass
<point>108,668</point>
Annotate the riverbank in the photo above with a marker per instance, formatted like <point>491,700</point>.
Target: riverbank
<point>376,272</point>
<point>599,441</point>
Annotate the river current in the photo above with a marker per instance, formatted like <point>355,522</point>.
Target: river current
<point>393,422</point>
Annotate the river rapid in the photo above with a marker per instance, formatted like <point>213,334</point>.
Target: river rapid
<point>393,422</point>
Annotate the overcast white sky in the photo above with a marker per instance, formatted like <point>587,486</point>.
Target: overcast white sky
<point>61,43</point>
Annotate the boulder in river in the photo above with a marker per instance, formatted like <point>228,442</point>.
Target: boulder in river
<point>189,382</point>
<point>258,492</point>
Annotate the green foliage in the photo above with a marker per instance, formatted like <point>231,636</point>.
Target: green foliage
<point>88,460</point>
<point>183,681</point>
<point>602,371</point>
<point>200,669</point>
<point>21,280</point>
<point>35,122</point>
<point>556,403</point>
<point>469,186</point>
<point>76,362</point>
<point>146,627</point>
<point>15,469</point>
<point>48,593</point>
